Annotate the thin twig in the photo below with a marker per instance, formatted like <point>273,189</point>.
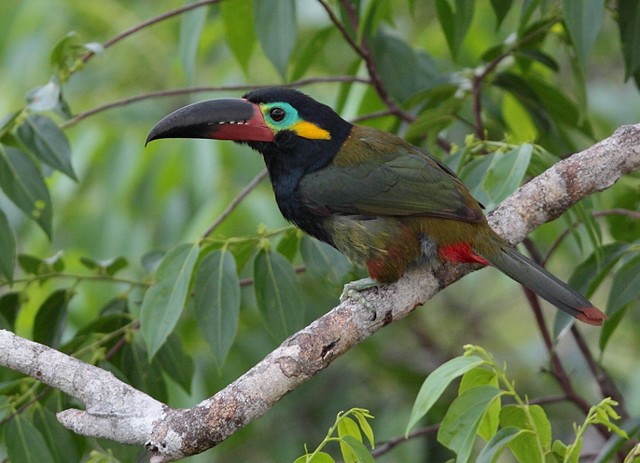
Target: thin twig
<point>385,447</point>
<point>244,282</point>
<point>149,22</point>
<point>236,201</point>
<point>615,211</point>
<point>552,399</point>
<point>481,74</point>
<point>365,53</point>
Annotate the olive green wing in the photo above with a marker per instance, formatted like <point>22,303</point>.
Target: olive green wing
<point>389,178</point>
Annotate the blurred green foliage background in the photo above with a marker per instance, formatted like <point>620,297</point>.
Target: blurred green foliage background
<point>136,202</point>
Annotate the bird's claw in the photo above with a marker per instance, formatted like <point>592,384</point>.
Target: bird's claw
<point>353,290</point>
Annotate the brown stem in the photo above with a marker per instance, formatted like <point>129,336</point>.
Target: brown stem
<point>385,447</point>
<point>365,53</point>
<point>557,369</point>
<point>606,384</point>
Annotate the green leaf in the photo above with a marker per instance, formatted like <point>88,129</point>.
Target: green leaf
<point>588,275</point>
<point>289,243</point>
<point>152,260</point>
<point>348,427</point>
<point>102,456</point>
<point>364,425</point>
<point>7,248</point>
<point>133,362</point>
<point>529,446</point>
<point>324,261</point>
<point>555,102</point>
<point>460,425</point>
<point>437,382</point>
<point>528,7</point>
<point>107,266</point>
<point>625,286</point>
<point>277,293</point>
<point>164,301</point>
<point>358,450</point>
<point>23,184</point>
<point>50,319</point>
<point>420,71</point>
<point>9,307</point>
<point>505,174</point>
<point>44,139</point>
<point>500,9</point>
<point>616,442</point>
<point>586,278</point>
<point>309,52</point>
<point>629,24</point>
<point>114,265</point>
<point>519,121</point>
<point>216,301</point>
<point>455,21</point>
<point>63,54</point>
<point>526,56</point>
<point>57,437</point>
<point>483,377</point>
<point>374,15</point>
<point>175,362</point>
<point>47,97</point>
<point>191,24</point>
<point>496,444</point>
<point>24,441</point>
<point>439,112</point>
<point>583,20</point>
<point>624,289</point>
<point>275,23</point>
<point>8,122</point>
<point>33,264</point>
<point>107,322</point>
<point>319,457</point>
<point>237,18</point>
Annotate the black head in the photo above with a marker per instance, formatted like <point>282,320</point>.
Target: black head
<point>307,133</point>
<point>293,131</point>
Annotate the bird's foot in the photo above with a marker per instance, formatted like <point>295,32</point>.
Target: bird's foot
<point>353,290</point>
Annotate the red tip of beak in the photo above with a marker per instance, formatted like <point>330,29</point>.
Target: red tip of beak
<point>591,316</point>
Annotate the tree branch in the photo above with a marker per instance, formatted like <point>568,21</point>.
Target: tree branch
<point>117,411</point>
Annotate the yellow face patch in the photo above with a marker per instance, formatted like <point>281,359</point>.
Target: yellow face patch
<point>309,130</point>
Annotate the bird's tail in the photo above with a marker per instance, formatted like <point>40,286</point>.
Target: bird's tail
<point>545,285</point>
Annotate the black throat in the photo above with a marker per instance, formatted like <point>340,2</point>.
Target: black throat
<point>290,158</point>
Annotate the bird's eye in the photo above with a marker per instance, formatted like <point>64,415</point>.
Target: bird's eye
<point>277,114</point>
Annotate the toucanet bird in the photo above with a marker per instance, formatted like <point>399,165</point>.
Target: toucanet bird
<point>383,202</point>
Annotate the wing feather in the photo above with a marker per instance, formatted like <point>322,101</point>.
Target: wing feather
<point>381,175</point>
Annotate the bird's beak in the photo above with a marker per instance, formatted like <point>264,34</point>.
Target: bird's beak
<point>223,119</point>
